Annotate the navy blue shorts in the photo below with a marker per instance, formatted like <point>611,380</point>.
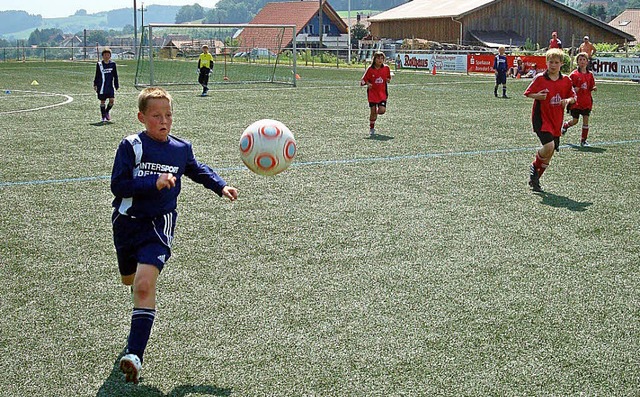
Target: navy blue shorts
<point>146,241</point>
<point>104,97</point>
<point>378,104</point>
<point>501,78</point>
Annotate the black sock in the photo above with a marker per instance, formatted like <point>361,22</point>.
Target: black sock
<point>103,110</point>
<point>141,323</point>
<point>109,107</point>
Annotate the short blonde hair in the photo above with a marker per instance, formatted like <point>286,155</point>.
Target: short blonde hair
<point>152,93</point>
<point>554,53</point>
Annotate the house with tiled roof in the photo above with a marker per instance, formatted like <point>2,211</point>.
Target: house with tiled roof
<point>305,16</point>
<point>628,21</point>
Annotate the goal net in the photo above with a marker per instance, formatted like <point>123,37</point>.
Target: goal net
<point>242,53</point>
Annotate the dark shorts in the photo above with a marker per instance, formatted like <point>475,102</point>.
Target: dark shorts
<point>145,241</point>
<point>501,78</point>
<point>576,113</point>
<point>104,97</point>
<point>378,104</point>
<point>546,137</point>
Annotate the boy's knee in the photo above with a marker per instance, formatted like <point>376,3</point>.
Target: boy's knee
<point>382,110</point>
<point>143,288</point>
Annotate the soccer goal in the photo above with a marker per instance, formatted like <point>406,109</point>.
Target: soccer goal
<point>242,53</point>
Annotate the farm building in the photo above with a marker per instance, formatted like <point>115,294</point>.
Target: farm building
<point>492,23</point>
<point>628,21</point>
<point>305,16</point>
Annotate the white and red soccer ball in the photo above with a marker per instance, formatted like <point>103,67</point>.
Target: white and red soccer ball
<point>267,147</point>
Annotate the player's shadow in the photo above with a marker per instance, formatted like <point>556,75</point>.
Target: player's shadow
<point>115,385</point>
<point>100,123</point>
<point>554,200</point>
<point>588,149</point>
<point>379,137</point>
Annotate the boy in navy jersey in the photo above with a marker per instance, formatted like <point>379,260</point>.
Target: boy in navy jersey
<point>146,181</point>
<point>552,92</point>
<point>500,67</point>
<point>105,83</point>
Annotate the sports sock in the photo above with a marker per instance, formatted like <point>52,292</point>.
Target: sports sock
<point>504,90</point>
<point>540,165</point>
<point>585,132</point>
<point>372,123</point>
<point>566,125</point>
<point>141,323</point>
<point>103,110</point>
<point>495,90</point>
<point>109,107</point>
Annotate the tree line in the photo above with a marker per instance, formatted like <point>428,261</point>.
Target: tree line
<point>243,11</point>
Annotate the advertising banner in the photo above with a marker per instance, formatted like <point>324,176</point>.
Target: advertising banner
<point>622,68</point>
<point>484,63</point>
<point>443,62</point>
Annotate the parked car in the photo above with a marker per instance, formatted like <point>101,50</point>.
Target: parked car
<point>258,53</point>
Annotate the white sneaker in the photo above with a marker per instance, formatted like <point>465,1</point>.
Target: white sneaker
<point>372,131</point>
<point>584,143</point>
<point>131,367</point>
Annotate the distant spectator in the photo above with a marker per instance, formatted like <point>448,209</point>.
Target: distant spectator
<point>532,72</point>
<point>588,48</point>
<point>517,70</point>
<point>555,41</point>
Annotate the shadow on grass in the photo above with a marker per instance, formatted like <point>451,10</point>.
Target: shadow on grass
<point>587,149</point>
<point>100,123</point>
<point>115,385</point>
<point>379,137</point>
<point>554,200</point>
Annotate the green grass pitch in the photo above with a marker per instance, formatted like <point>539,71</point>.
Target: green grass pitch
<point>415,263</point>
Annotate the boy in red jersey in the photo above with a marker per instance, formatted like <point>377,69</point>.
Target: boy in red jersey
<point>552,92</point>
<point>376,78</point>
<point>583,83</point>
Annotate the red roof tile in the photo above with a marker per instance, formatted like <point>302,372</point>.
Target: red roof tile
<point>297,13</point>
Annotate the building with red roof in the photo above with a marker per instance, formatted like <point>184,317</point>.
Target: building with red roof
<point>305,16</point>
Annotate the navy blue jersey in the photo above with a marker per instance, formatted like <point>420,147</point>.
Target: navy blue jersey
<point>500,63</point>
<point>138,162</point>
<point>106,79</point>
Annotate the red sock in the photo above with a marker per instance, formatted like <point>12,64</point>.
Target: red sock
<point>540,165</point>
<point>566,125</point>
<point>585,132</point>
<point>372,124</point>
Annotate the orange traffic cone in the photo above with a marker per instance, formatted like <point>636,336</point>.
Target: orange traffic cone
<point>297,76</point>
<point>433,71</point>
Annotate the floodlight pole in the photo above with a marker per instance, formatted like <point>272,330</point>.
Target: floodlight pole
<point>135,28</point>
<point>349,31</point>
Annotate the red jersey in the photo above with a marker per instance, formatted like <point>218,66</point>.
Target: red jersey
<point>547,115</point>
<point>378,78</point>
<point>583,84</point>
<point>555,43</point>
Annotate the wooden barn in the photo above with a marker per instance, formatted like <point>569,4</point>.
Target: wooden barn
<point>492,23</point>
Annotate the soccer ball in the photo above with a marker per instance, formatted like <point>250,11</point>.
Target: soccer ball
<point>267,147</point>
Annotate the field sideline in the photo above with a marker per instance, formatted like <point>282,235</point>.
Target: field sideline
<point>414,263</point>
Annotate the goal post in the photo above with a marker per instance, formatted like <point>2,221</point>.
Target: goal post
<point>243,54</point>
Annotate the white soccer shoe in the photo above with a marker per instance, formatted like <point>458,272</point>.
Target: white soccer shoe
<point>372,131</point>
<point>131,367</point>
